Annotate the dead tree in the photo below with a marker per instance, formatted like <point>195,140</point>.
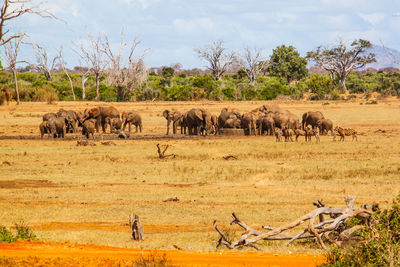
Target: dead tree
<point>253,63</point>
<point>332,229</point>
<point>161,154</point>
<point>11,51</point>
<point>128,75</point>
<point>136,228</point>
<point>94,57</point>
<point>219,61</point>
<point>13,9</point>
<point>63,66</point>
<point>45,64</point>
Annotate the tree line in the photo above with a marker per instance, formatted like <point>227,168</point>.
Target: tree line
<point>110,74</point>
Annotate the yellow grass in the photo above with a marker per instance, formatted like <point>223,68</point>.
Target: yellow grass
<point>270,183</point>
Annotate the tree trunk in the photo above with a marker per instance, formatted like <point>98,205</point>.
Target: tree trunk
<point>71,84</point>
<point>97,86</point>
<point>84,79</point>
<point>120,92</point>
<point>16,85</point>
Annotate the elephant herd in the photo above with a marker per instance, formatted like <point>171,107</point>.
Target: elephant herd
<point>89,121</point>
<point>264,120</point>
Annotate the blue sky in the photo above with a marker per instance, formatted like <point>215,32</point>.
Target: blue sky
<point>173,28</point>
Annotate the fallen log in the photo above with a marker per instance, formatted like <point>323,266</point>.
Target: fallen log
<point>314,230</point>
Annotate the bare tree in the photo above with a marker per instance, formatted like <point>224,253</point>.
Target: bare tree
<point>126,77</point>
<point>217,57</point>
<point>253,63</point>
<point>63,66</point>
<point>340,60</point>
<point>12,9</point>
<point>94,57</point>
<point>11,50</point>
<point>45,64</point>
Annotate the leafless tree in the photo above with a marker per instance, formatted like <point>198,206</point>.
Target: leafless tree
<point>253,63</point>
<point>217,57</point>
<point>45,64</point>
<point>94,57</point>
<point>126,77</point>
<point>12,9</point>
<point>390,54</point>
<point>11,50</point>
<point>63,66</point>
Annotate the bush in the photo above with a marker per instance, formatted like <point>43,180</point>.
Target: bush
<point>23,232</point>
<point>380,245</point>
<point>45,93</point>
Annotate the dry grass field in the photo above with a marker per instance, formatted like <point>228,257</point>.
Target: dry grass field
<point>85,194</point>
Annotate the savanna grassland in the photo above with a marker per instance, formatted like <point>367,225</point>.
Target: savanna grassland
<point>85,194</point>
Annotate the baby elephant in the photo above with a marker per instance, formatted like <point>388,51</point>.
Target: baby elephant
<point>44,129</point>
<point>115,124</point>
<point>88,128</point>
<point>132,118</point>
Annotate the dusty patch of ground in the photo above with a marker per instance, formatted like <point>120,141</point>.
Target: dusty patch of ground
<point>52,254</point>
<point>26,183</point>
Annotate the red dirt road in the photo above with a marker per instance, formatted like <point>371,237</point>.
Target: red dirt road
<point>92,255</point>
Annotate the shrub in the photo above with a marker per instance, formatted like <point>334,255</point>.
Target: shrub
<point>380,244</point>
<point>45,93</point>
<point>23,232</point>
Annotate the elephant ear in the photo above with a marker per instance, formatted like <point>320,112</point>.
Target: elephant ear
<point>198,114</point>
<point>166,114</point>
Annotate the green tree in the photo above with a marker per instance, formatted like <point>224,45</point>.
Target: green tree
<point>168,72</point>
<point>319,84</point>
<point>340,60</point>
<point>286,63</point>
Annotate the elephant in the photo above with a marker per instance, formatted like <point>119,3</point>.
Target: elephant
<point>100,114</point>
<point>44,128</point>
<point>71,119</point>
<point>325,125</point>
<point>88,128</point>
<point>199,121</point>
<point>115,124</point>
<point>47,116</point>
<point>57,127</point>
<point>249,122</point>
<point>266,123</point>
<point>132,118</point>
<point>232,122</point>
<point>176,118</point>
<point>225,114</point>
<point>311,118</point>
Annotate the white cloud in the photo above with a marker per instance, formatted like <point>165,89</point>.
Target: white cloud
<point>185,26</point>
<point>286,17</point>
<point>373,18</point>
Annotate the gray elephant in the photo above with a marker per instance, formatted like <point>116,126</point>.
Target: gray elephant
<point>227,113</point>
<point>132,118</point>
<point>71,119</point>
<point>100,114</point>
<point>57,127</point>
<point>48,116</point>
<point>198,121</point>
<point>249,122</point>
<point>88,128</point>
<point>325,125</point>
<point>311,118</point>
<point>176,118</point>
<point>266,124</point>
<point>233,122</point>
<point>115,124</point>
<point>44,129</point>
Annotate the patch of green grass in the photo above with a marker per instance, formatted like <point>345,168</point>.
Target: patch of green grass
<point>23,232</point>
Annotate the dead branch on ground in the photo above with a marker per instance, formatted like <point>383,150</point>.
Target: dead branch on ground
<point>331,230</point>
<point>161,154</point>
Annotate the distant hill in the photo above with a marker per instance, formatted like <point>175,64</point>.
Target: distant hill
<point>383,60</point>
